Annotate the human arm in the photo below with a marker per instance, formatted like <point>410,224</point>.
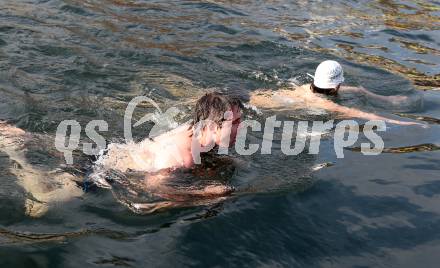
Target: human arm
<point>186,184</point>
<point>279,99</point>
<point>263,99</point>
<point>289,99</point>
<point>376,98</point>
<point>353,112</point>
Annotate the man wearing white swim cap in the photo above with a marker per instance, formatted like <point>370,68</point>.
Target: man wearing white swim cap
<point>327,82</point>
<point>328,78</point>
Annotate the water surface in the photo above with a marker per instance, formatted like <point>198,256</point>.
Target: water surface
<point>86,60</point>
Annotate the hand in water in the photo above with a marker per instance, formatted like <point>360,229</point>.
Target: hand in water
<point>399,99</point>
<point>408,123</point>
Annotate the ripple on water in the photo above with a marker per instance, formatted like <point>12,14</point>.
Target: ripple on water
<point>86,60</point>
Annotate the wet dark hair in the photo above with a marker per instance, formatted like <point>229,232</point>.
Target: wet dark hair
<point>213,106</point>
<point>325,91</point>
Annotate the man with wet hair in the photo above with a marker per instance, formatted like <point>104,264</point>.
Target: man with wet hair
<point>223,111</point>
<point>215,123</point>
<point>213,106</point>
<point>216,118</point>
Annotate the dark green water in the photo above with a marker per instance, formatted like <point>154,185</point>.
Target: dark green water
<point>86,60</point>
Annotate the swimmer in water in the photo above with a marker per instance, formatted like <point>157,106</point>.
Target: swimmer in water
<point>327,84</point>
<point>215,123</point>
<point>45,187</point>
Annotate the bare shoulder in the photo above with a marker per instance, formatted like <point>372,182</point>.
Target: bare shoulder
<point>262,98</point>
<point>278,99</point>
<point>9,130</point>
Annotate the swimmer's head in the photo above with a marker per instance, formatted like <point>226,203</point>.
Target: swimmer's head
<point>223,112</point>
<point>328,78</point>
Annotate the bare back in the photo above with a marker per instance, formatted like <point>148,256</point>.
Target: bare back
<point>302,98</point>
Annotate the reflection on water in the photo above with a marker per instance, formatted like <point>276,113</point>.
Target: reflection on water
<point>401,36</point>
<point>407,149</point>
<point>85,60</point>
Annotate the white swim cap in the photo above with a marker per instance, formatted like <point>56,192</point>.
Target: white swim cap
<point>328,74</point>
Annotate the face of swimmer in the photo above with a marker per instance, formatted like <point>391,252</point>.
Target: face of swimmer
<point>227,132</point>
<point>216,119</point>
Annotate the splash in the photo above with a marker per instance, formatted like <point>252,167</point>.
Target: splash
<point>139,176</point>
